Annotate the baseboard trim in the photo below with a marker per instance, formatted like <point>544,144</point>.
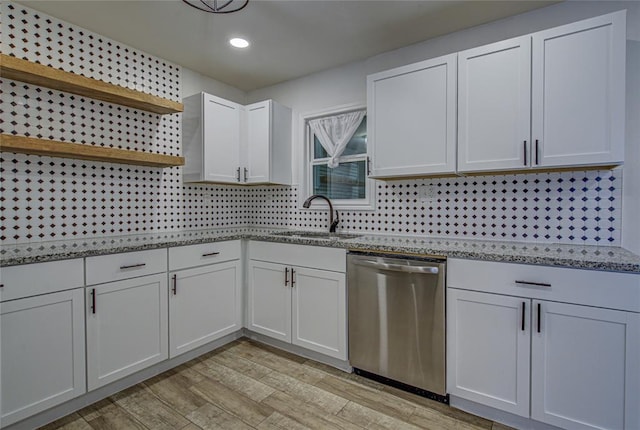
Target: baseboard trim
<point>298,350</point>
<point>499,416</point>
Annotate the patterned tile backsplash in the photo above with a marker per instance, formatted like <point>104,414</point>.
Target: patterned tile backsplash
<point>44,198</point>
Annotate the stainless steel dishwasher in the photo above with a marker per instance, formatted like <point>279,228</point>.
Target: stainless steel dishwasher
<point>397,320</point>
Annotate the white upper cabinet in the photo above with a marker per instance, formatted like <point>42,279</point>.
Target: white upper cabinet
<point>412,119</point>
<point>494,106</point>
<point>547,100</point>
<point>268,144</point>
<point>211,139</point>
<point>225,142</point>
<point>578,84</point>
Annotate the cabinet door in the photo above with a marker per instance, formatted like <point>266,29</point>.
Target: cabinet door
<point>319,311</point>
<point>411,125</point>
<point>585,371</point>
<point>41,353</point>
<point>204,304</point>
<point>127,327</point>
<point>221,135</point>
<point>488,346</point>
<point>258,151</point>
<point>578,92</point>
<point>494,106</point>
<point>270,300</point>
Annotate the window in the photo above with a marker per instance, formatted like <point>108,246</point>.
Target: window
<point>347,184</point>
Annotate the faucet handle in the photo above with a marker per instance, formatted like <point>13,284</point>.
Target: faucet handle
<point>334,224</point>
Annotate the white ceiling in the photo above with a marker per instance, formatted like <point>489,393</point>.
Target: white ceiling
<point>289,38</point>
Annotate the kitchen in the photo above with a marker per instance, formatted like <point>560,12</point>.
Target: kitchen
<point>86,214</point>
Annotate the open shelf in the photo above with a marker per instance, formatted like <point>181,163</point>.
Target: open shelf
<point>45,76</point>
<point>54,148</point>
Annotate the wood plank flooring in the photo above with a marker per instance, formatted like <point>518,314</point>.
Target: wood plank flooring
<point>247,385</point>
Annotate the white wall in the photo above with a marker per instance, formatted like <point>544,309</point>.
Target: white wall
<point>347,84</point>
<point>194,82</point>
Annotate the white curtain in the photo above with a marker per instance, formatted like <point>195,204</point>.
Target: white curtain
<point>334,132</point>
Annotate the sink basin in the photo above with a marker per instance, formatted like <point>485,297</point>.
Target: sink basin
<point>317,235</point>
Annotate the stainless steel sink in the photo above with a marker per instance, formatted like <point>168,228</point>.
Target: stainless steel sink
<point>317,235</point>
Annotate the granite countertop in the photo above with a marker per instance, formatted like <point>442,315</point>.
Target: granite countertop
<point>606,258</point>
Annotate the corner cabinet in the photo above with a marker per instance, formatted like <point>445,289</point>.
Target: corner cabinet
<point>552,99</point>
<point>42,352</point>
<point>411,126</point>
<point>558,346</point>
<point>211,139</point>
<point>297,294</point>
<point>267,158</point>
<point>225,142</point>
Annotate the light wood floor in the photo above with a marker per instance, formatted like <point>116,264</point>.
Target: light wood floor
<point>246,385</point>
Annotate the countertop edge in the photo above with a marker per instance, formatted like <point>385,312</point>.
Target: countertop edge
<point>349,244</point>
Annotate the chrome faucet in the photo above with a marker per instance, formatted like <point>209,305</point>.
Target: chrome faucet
<point>332,223</point>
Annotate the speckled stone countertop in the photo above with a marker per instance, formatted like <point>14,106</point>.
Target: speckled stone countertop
<point>606,258</point>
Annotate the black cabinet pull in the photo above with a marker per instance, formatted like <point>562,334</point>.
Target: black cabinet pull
<point>286,276</point>
<point>293,280</point>
<point>524,305</point>
<point>537,152</point>
<point>238,174</point>
<point>209,254</point>
<point>537,284</point>
<point>539,312</point>
<point>93,301</point>
<point>133,266</point>
<point>174,289</point>
<point>525,152</point>
<point>246,174</point>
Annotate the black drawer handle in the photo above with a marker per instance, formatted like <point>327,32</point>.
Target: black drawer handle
<point>209,254</point>
<point>537,284</point>
<point>133,266</point>
<point>286,276</point>
<point>93,301</point>
<point>525,153</point>
<point>293,279</point>
<point>524,306</point>
<point>174,290</point>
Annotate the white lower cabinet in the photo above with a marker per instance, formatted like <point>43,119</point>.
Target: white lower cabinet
<point>127,327</point>
<point>585,367</point>
<point>297,304</point>
<point>489,345</point>
<point>270,300</point>
<point>519,350</point>
<point>42,353</point>
<point>319,311</point>
<point>205,303</point>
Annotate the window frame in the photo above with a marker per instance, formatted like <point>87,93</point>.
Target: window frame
<point>308,161</point>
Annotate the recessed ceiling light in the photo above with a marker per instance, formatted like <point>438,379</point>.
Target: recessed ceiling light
<point>238,42</point>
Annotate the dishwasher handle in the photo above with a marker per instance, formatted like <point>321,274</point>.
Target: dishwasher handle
<point>425,270</point>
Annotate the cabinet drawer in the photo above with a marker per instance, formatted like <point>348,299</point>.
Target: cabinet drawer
<point>40,278</point>
<point>113,267</point>
<point>586,287</point>
<point>181,257</point>
<point>315,257</point>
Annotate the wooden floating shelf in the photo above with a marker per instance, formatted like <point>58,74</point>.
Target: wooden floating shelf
<point>45,76</point>
<point>54,148</point>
